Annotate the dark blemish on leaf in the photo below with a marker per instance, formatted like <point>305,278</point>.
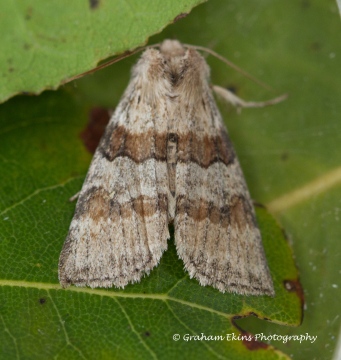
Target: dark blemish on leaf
<point>253,344</point>
<point>10,69</point>
<point>27,46</point>
<point>179,17</point>
<point>94,4</point>
<point>284,234</point>
<point>253,314</point>
<point>98,120</point>
<point>305,4</point>
<point>146,334</point>
<point>294,286</point>
<point>248,339</point>
<point>284,156</point>
<point>315,46</point>
<point>42,301</point>
<point>28,14</point>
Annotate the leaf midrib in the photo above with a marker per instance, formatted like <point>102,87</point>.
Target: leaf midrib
<point>162,297</point>
<point>314,187</point>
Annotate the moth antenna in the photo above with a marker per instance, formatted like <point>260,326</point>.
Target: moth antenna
<point>196,47</point>
<point>106,64</point>
<point>231,64</point>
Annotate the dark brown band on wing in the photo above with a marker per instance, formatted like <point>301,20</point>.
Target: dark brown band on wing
<point>97,204</point>
<point>238,213</point>
<point>203,150</point>
<point>143,206</point>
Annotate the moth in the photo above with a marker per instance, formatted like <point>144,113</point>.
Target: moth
<point>166,157</point>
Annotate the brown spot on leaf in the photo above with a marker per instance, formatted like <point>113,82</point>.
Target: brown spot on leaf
<point>253,344</point>
<point>42,301</point>
<point>179,17</point>
<point>28,14</point>
<point>305,4</point>
<point>94,4</point>
<point>284,156</point>
<point>146,333</point>
<point>98,120</point>
<point>315,46</point>
<point>249,340</point>
<point>295,287</point>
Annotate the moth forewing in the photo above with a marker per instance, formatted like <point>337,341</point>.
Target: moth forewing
<point>166,157</point>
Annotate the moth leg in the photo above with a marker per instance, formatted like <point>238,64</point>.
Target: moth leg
<point>74,197</point>
<point>240,103</point>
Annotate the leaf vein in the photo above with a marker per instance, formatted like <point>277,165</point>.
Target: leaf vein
<point>136,332</point>
<point>218,356</point>
<point>111,294</point>
<point>37,192</point>
<point>314,187</point>
<point>63,327</point>
<point>6,329</point>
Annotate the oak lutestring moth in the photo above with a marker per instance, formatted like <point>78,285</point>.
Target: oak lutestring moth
<point>166,157</point>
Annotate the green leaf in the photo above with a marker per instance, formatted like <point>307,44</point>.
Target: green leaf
<point>290,154</point>
<point>46,42</point>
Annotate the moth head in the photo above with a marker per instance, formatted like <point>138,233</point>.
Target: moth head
<point>185,67</point>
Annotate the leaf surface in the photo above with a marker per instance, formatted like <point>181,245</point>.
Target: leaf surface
<point>44,43</point>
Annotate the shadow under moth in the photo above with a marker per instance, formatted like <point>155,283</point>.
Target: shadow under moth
<point>165,157</point>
